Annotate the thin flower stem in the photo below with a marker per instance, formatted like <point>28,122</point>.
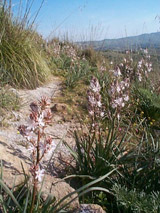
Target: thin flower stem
<point>34,195</point>
<point>35,179</point>
<point>38,141</point>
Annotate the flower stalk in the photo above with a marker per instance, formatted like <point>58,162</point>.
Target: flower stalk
<point>39,144</point>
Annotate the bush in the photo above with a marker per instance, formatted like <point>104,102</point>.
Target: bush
<point>137,201</point>
<point>148,105</point>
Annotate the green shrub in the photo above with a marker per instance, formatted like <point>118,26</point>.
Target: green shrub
<point>137,201</point>
<point>140,167</point>
<point>148,105</point>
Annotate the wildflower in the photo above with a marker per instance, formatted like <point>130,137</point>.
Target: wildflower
<point>126,97</point>
<point>44,103</point>
<point>38,143</point>
<point>99,104</point>
<point>102,114</point>
<point>40,121</point>
<point>94,85</point>
<point>140,77</point>
<point>94,99</point>
<point>31,148</point>
<point>39,174</point>
<point>91,112</point>
<point>118,89</point>
<point>125,60</point>
<point>117,72</point>
<point>118,116</point>
<point>145,51</point>
<point>114,105</point>
<point>121,64</point>
<point>51,148</point>
<point>119,102</point>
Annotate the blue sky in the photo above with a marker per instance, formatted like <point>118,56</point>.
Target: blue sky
<point>96,19</point>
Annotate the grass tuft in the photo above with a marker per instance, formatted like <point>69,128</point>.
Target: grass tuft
<point>22,63</point>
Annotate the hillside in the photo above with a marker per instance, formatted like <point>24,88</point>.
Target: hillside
<point>151,40</point>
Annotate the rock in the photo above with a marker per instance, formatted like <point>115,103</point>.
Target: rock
<point>58,188</point>
<point>89,208</point>
<point>59,108</point>
<point>12,165</point>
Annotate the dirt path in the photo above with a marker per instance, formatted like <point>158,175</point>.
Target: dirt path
<point>58,128</point>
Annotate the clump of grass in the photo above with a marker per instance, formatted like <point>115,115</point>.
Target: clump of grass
<point>9,100</point>
<point>148,105</point>
<point>22,62</point>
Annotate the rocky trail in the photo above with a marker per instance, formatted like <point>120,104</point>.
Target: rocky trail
<point>13,150</point>
<point>58,129</point>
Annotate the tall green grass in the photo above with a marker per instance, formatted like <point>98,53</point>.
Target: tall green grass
<point>22,62</point>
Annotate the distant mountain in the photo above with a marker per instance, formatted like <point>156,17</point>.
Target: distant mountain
<point>151,40</point>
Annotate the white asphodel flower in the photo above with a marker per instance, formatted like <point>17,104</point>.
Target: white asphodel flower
<point>51,148</point>
<point>31,148</point>
<point>114,105</point>
<point>126,98</point>
<point>145,51</point>
<point>140,77</point>
<point>94,86</point>
<point>99,104</point>
<point>102,114</point>
<point>92,100</point>
<point>91,112</point>
<point>119,102</point>
<point>118,89</point>
<point>117,72</point>
<point>125,60</point>
<point>39,174</point>
<point>40,121</point>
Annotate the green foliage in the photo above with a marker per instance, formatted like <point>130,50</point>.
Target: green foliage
<point>94,155</point>
<point>92,56</point>
<point>137,202</point>
<point>148,105</point>
<point>22,61</point>
<point>136,159</point>
<point>97,153</point>
<point>9,100</point>
<point>141,166</point>
<point>76,73</point>
<point>18,199</point>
